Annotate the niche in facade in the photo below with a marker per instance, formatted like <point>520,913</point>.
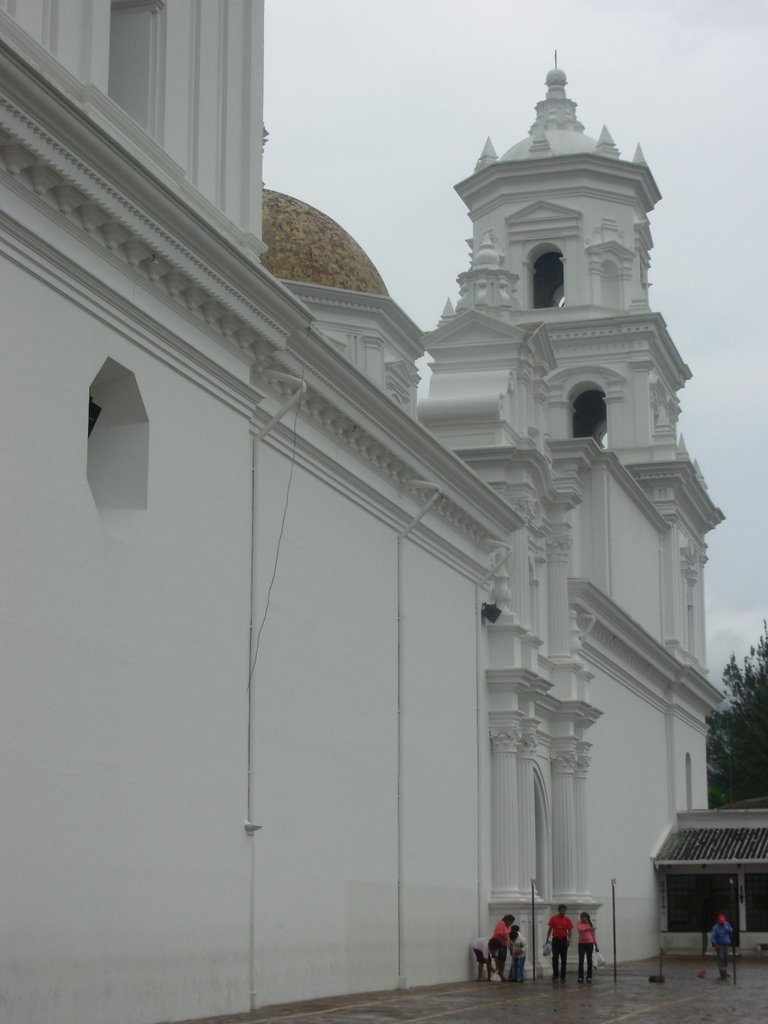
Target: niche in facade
<point>549,281</point>
<point>590,417</point>
<point>118,439</point>
<point>137,61</point>
<point>610,284</point>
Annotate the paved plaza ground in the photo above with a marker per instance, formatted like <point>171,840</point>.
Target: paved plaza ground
<point>683,998</point>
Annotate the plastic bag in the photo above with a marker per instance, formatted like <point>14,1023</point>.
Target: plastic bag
<point>547,951</point>
<point>600,960</point>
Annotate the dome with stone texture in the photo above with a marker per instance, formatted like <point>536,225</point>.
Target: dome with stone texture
<point>305,245</point>
<point>556,130</point>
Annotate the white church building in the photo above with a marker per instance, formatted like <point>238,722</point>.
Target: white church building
<point>304,685</point>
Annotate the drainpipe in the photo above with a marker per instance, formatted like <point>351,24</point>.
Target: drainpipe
<point>250,828</point>
<point>419,485</point>
<point>499,546</point>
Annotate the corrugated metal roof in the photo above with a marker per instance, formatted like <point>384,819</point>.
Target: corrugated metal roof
<point>715,844</point>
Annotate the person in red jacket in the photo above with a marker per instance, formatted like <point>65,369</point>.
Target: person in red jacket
<point>501,932</point>
<point>559,927</point>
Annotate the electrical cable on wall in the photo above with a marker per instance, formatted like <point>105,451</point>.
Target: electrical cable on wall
<point>279,539</point>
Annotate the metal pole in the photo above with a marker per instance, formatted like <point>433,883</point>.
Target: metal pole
<point>533,925</point>
<point>613,911</point>
<point>734,923</point>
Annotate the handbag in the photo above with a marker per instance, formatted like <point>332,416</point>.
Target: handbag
<point>547,951</point>
<point>600,960</point>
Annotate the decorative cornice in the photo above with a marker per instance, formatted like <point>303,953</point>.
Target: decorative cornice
<point>689,496</point>
<point>92,206</point>
<point>36,255</point>
<point>621,647</point>
<point>373,439</point>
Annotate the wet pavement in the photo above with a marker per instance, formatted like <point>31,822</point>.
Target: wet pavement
<point>683,998</point>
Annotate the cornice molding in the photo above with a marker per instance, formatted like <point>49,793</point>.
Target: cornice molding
<point>154,222</point>
<point>622,648</point>
<point>348,483</point>
<point>690,499</point>
<point>584,454</point>
<point>377,436</point>
<point>37,256</point>
<point>362,302</point>
<point>621,332</point>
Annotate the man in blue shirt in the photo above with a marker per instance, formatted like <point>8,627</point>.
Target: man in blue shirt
<point>722,935</point>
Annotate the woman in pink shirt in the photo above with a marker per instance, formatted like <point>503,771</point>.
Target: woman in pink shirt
<point>587,944</point>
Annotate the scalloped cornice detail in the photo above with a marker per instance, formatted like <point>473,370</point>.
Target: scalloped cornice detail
<point>89,203</point>
<point>375,451</point>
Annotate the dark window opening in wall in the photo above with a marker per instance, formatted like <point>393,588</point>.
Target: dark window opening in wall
<point>694,901</point>
<point>590,416</point>
<point>548,281</point>
<point>94,411</point>
<point>756,902</point>
<point>118,440</point>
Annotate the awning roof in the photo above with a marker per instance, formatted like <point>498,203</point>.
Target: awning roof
<point>702,845</point>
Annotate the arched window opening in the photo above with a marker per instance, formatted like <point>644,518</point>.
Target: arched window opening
<point>590,416</point>
<point>118,439</point>
<point>549,281</point>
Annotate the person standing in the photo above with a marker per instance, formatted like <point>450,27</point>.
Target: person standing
<point>501,932</point>
<point>518,948</point>
<point>485,950</point>
<point>559,927</point>
<point>722,937</point>
<point>587,944</point>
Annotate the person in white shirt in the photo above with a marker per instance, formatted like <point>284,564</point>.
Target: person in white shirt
<point>486,950</point>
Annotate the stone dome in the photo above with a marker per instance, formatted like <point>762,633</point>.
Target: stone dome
<point>561,142</point>
<point>305,245</point>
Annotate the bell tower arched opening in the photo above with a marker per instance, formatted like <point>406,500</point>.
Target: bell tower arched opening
<point>590,415</point>
<point>548,279</point>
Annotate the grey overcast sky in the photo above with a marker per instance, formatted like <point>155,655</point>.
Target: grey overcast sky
<point>376,109</point>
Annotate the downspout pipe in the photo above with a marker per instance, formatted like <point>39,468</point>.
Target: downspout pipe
<point>422,486</point>
<point>250,827</point>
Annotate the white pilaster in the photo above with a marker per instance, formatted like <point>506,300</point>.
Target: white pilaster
<point>526,807</point>
<point>581,848</point>
<point>558,554</point>
<point>563,761</point>
<point>504,788</point>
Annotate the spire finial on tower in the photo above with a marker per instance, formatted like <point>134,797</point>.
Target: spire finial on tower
<point>556,110</point>
<point>488,155</point>
<point>555,58</point>
<point>605,144</point>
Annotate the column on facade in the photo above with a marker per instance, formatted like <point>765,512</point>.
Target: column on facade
<point>559,625</point>
<point>504,788</point>
<point>518,580</point>
<point>563,762</point>
<point>581,848</point>
<point>526,804</point>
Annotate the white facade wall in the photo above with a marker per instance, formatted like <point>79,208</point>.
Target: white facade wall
<point>326,698</point>
<point>396,743</point>
<point>440,765</point>
<point>634,560</point>
<point>626,807</point>
<point>124,663</point>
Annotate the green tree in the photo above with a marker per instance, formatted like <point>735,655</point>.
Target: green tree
<point>737,742</point>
